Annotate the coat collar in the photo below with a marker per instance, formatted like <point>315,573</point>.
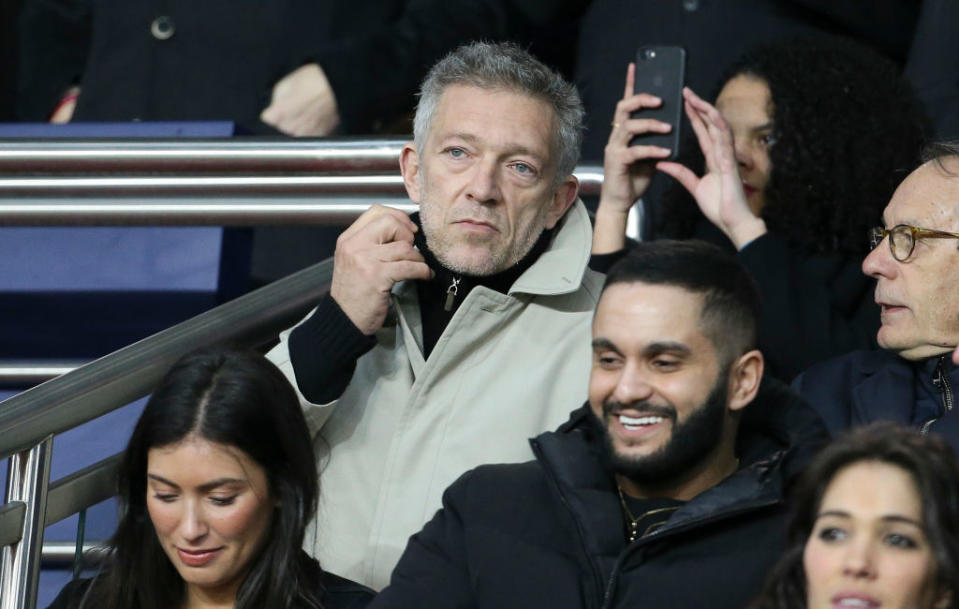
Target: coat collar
<point>888,386</point>
<point>560,269</point>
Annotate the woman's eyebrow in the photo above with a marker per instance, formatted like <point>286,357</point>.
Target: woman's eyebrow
<point>203,487</point>
<point>886,518</point>
<point>212,484</point>
<point>162,479</point>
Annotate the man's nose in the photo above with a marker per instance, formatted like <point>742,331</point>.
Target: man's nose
<point>879,262</point>
<point>483,186</point>
<point>632,386</point>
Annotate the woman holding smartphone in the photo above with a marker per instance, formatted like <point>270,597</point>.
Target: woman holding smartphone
<point>805,144</point>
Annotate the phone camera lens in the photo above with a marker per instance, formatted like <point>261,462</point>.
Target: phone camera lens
<point>649,54</point>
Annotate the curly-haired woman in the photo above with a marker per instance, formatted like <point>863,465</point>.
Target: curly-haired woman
<point>806,142</point>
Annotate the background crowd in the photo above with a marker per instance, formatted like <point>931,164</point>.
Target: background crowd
<point>510,407</point>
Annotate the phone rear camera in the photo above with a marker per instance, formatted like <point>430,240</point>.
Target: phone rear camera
<point>649,54</point>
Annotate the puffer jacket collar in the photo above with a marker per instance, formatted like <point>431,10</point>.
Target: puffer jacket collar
<point>777,434</point>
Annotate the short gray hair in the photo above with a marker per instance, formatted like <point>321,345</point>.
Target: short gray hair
<point>508,67</point>
<point>939,152</point>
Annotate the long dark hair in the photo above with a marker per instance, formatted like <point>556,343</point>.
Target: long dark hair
<point>933,467</point>
<point>847,130</point>
<point>235,398</point>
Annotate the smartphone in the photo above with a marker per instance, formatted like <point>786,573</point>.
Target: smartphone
<point>661,71</point>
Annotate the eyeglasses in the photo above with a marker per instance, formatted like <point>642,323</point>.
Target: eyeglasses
<point>902,238</point>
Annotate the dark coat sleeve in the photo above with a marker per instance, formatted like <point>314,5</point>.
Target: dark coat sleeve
<point>433,570</point>
<point>54,41</point>
<point>324,350</point>
<point>814,306</point>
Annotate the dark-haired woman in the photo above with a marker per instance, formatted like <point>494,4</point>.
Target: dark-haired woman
<point>876,524</point>
<point>215,489</point>
<point>806,143</point>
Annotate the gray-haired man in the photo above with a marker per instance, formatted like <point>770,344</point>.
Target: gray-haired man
<point>451,337</point>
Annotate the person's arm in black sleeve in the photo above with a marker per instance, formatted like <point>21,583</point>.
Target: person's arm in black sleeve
<point>601,263</point>
<point>433,571</point>
<point>54,41</point>
<point>814,308</point>
<point>324,350</point>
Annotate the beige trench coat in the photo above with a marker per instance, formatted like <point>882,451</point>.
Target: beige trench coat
<point>506,368</point>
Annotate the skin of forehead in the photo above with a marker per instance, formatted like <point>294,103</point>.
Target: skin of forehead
<point>931,198</point>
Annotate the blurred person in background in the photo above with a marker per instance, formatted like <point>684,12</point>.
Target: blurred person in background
<point>876,524</point>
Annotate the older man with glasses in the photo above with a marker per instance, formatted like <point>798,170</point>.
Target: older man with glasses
<point>913,379</point>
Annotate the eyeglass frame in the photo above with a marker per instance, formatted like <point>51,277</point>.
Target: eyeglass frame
<point>878,233</point>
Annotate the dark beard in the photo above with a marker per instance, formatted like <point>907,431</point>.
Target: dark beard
<point>689,443</point>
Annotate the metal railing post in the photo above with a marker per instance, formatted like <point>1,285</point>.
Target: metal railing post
<point>28,478</point>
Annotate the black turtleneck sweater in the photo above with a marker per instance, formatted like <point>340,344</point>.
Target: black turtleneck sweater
<point>325,347</point>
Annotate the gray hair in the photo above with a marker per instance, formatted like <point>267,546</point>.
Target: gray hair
<point>939,152</point>
<point>505,66</point>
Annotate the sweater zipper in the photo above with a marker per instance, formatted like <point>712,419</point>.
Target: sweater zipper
<point>451,292</point>
<point>941,381</point>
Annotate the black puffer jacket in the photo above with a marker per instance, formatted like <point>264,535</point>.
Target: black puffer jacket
<point>549,533</point>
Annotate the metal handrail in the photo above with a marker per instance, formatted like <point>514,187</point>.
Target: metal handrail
<point>30,372</point>
<point>65,497</point>
<point>130,373</point>
<point>192,155</point>
<point>176,210</point>
<point>225,200</point>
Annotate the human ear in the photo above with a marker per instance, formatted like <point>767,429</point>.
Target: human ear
<point>410,168</point>
<point>562,199</point>
<point>745,375</point>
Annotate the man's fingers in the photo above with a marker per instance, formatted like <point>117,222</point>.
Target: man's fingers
<point>378,214</point>
<point>397,250</point>
<point>405,270</point>
<point>681,173</point>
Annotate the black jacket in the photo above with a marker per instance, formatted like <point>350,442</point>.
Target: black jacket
<point>866,386</point>
<point>223,56</point>
<point>338,593</point>
<point>550,533</point>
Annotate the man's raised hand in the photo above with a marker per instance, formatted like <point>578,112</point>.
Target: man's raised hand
<point>372,255</point>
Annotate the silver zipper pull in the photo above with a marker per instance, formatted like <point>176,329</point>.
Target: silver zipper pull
<point>451,294</point>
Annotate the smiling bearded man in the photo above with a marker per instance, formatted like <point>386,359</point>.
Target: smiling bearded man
<point>664,490</point>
